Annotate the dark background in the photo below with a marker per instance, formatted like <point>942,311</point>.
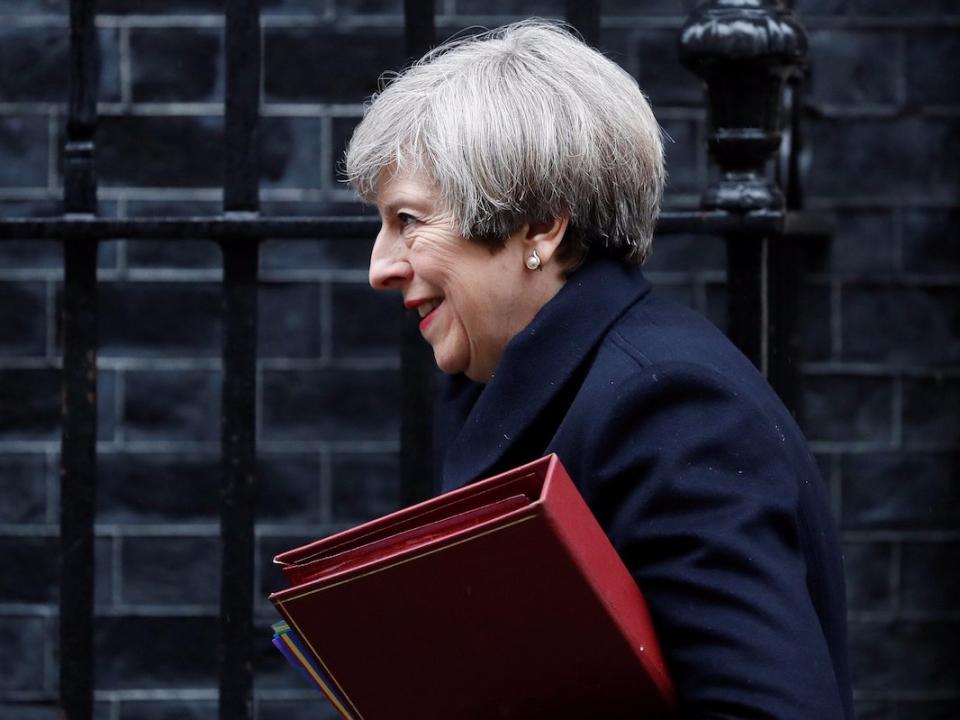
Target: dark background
<point>881,312</point>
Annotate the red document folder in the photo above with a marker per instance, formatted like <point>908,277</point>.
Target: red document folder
<point>503,599</point>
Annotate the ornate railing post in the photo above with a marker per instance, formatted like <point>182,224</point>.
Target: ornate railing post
<point>79,381</point>
<point>417,369</point>
<point>744,50</point>
<point>238,489</point>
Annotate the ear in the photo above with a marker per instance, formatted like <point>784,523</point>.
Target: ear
<point>544,236</point>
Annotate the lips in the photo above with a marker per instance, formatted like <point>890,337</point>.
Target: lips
<point>425,309</point>
<point>428,307</point>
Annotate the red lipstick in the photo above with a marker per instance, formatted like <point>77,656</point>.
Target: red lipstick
<point>428,318</point>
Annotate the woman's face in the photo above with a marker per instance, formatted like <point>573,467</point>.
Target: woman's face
<point>471,300</point>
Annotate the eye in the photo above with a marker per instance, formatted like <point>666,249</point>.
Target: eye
<point>406,219</point>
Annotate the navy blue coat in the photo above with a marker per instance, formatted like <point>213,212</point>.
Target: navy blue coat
<point>697,473</point>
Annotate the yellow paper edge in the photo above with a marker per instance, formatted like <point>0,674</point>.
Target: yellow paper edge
<point>316,677</point>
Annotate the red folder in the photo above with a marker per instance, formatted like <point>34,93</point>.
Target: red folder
<point>503,599</point>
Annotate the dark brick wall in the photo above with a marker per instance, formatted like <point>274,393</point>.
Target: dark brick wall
<point>880,311</point>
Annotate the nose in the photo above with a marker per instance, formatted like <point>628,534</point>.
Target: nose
<point>389,268</point>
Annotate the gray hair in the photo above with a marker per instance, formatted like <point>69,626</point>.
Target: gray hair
<point>521,124</point>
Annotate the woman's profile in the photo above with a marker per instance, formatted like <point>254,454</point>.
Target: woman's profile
<point>518,176</point>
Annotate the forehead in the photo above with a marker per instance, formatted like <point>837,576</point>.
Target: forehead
<point>395,190</point>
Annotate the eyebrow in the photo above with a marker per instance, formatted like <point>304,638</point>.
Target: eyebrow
<point>396,204</point>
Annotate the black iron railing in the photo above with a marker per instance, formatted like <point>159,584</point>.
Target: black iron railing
<point>743,50</point>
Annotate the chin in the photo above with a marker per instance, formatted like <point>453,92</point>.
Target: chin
<point>450,366</point>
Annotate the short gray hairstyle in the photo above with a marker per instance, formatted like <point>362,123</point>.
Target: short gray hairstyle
<point>521,124</point>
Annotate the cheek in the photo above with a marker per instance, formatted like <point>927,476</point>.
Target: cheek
<point>487,299</point>
<point>436,259</point>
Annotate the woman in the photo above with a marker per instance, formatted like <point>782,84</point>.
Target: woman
<point>518,176</point>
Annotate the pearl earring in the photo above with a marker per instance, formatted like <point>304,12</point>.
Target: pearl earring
<point>533,262</point>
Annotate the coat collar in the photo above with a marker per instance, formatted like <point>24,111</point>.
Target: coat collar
<point>536,368</point>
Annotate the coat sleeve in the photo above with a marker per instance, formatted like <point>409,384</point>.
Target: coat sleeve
<point>695,487</point>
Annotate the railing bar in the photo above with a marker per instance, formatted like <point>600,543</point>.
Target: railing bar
<point>416,358</point>
<point>240,196</point>
<point>242,106</point>
<point>239,481</point>
<point>419,27</point>
<point>79,378</point>
<point>80,187</point>
<point>78,481</point>
<point>233,229</point>
<point>748,305</point>
<point>207,228</point>
<point>584,15</point>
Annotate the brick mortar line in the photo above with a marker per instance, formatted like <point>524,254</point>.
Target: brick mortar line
<point>214,194</point>
<point>213,364</point>
<point>119,406</point>
<point>446,18</point>
<point>671,277</point>
<point>39,611</point>
<point>143,529</point>
<point>896,577</point>
<point>892,617</point>
<point>904,279</point>
<point>881,111</point>
<point>205,450</point>
<point>323,277</point>
<point>901,69</point>
<point>53,125</point>
<point>878,370</point>
<point>836,322</point>
<point>919,200</point>
<point>899,536</point>
<point>325,312</point>
<point>890,279</point>
<point>325,486</point>
<point>51,319</point>
<point>877,203</point>
<point>210,194</point>
<point>116,571</point>
<point>144,276</point>
<point>342,362</point>
<point>44,696</point>
<point>854,447</point>
<point>263,530</point>
<point>325,140</point>
<point>195,450</point>
<point>154,694</point>
<point>896,411</point>
<point>899,246</point>
<point>147,610</point>
<point>125,69</point>
<point>29,447</point>
<point>137,695</point>
<point>160,364</point>
<point>906,695</point>
<point>836,485</point>
<point>212,109</point>
<point>52,487</point>
<point>701,301</point>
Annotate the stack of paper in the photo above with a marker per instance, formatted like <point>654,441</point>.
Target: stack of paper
<point>286,641</point>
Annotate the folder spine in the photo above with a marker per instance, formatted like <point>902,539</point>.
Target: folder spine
<point>590,549</point>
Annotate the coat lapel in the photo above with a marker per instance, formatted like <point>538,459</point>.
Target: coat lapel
<point>535,371</point>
